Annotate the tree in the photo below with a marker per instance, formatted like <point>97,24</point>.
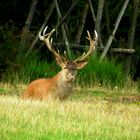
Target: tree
<point>131,33</point>
<point>115,29</point>
<point>82,23</point>
<point>24,36</point>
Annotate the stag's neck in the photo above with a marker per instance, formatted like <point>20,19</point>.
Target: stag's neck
<point>62,86</point>
<point>61,79</point>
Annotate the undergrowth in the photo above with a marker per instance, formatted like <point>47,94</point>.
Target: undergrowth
<point>23,69</point>
<point>106,73</point>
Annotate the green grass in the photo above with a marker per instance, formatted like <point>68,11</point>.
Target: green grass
<point>86,115</point>
<point>107,73</point>
<point>30,68</point>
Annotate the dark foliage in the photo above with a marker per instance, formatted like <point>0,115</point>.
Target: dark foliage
<point>13,15</point>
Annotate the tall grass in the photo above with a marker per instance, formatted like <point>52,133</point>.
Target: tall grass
<point>30,68</point>
<point>106,73</point>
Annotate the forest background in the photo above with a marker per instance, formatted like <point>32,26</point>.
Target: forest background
<point>24,58</point>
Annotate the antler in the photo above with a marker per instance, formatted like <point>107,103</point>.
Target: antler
<point>46,39</point>
<point>91,48</point>
<point>85,56</point>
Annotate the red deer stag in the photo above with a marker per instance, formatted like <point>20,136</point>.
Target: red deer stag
<point>59,86</point>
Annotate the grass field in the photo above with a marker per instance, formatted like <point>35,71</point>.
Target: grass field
<point>89,114</point>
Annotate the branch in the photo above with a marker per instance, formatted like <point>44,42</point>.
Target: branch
<point>82,23</point>
<point>92,11</point>
<point>68,12</point>
<point>52,5</point>
<point>100,49</point>
<point>114,31</point>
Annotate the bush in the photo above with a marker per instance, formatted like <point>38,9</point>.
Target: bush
<point>106,73</point>
<point>30,68</point>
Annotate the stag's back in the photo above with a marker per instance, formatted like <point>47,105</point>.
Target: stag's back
<point>38,89</point>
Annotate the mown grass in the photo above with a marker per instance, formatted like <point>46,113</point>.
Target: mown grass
<point>86,115</point>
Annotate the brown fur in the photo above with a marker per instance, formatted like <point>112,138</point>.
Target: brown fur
<point>58,87</point>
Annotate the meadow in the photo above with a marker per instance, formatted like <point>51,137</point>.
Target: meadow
<point>94,113</point>
<point>105,104</point>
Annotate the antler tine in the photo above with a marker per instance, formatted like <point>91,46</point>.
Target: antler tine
<point>96,35</point>
<point>48,41</point>
<point>44,31</point>
<point>91,48</point>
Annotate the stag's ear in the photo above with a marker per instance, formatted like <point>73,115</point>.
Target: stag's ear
<point>60,62</point>
<point>81,64</point>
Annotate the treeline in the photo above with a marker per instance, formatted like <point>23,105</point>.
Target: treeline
<point>116,22</point>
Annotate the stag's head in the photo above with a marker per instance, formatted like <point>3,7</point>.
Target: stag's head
<point>69,68</point>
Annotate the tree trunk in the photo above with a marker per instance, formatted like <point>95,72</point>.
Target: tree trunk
<point>66,15</point>
<point>82,23</point>
<point>98,19</point>
<point>99,15</point>
<point>92,11</point>
<point>115,29</point>
<point>24,36</point>
<point>63,30</point>
<point>107,18</point>
<point>52,5</point>
<point>131,33</point>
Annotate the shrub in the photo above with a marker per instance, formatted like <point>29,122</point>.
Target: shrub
<point>30,68</point>
<point>107,73</point>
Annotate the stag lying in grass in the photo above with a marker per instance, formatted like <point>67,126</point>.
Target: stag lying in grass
<point>59,86</point>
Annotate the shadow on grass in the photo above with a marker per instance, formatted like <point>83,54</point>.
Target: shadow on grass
<point>91,95</point>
